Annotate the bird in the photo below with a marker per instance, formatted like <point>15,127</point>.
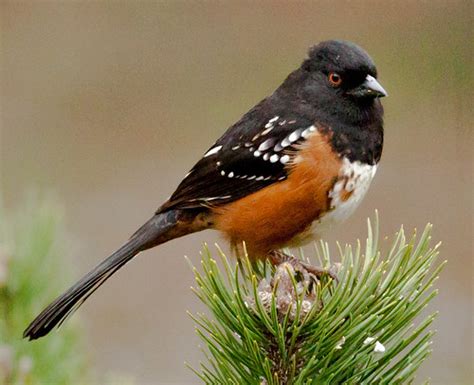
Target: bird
<point>296,163</point>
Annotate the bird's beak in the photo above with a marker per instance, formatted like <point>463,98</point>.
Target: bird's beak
<point>369,88</point>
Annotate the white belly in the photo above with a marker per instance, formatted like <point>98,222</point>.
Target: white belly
<point>348,191</point>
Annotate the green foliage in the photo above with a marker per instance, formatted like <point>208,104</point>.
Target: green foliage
<point>32,272</point>
<point>276,326</point>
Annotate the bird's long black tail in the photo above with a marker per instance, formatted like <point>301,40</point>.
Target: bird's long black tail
<point>159,229</point>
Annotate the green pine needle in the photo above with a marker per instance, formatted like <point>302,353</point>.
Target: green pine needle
<point>272,325</point>
<point>32,272</point>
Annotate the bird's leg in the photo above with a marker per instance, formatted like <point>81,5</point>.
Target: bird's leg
<point>277,257</point>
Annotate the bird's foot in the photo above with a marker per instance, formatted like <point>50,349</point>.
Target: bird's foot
<point>307,270</point>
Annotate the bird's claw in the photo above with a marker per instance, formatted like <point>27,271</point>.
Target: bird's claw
<point>306,269</point>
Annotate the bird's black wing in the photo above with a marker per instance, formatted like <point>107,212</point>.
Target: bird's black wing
<point>252,154</point>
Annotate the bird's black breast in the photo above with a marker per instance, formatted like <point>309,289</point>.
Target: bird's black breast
<point>356,134</point>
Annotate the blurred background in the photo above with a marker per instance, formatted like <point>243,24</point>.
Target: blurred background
<point>107,105</point>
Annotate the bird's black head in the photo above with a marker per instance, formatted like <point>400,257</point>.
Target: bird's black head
<point>345,69</point>
<point>337,88</point>
<point>339,78</point>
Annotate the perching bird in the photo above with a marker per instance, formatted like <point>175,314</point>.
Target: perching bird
<point>300,160</point>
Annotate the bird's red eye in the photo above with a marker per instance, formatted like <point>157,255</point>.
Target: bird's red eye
<point>335,79</point>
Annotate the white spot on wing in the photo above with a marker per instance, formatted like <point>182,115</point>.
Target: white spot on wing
<point>231,175</point>
<point>274,158</point>
<point>284,159</point>
<point>294,136</point>
<point>284,143</point>
<point>307,132</point>
<point>214,198</point>
<point>212,151</point>
<point>266,145</point>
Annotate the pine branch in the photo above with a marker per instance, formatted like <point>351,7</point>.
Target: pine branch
<point>272,325</point>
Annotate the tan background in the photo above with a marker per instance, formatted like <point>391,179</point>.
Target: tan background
<point>108,104</point>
